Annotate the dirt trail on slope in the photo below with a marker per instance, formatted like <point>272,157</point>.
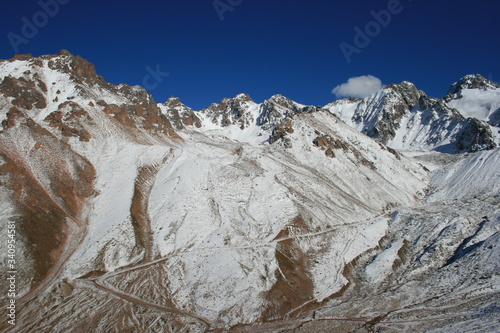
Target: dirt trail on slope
<point>143,187</point>
<point>103,285</point>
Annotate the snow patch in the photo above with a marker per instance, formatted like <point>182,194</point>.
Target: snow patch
<point>381,267</point>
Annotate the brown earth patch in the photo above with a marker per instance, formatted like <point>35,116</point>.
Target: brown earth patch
<point>329,144</point>
<point>140,116</point>
<point>294,286</point>
<point>141,221</point>
<point>49,187</point>
<point>24,92</point>
<point>40,221</point>
<point>12,116</point>
<point>70,118</point>
<point>139,211</point>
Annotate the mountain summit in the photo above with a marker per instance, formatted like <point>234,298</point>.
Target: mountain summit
<point>475,96</point>
<point>472,81</point>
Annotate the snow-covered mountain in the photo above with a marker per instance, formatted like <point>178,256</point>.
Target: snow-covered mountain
<point>476,96</point>
<point>136,216</point>
<point>238,118</point>
<point>405,118</point>
<point>400,116</point>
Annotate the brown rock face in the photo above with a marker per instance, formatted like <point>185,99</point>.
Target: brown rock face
<point>40,220</point>
<point>12,115</point>
<point>27,56</point>
<point>79,69</point>
<point>294,286</point>
<point>191,120</point>
<point>180,115</point>
<point>330,144</point>
<point>24,92</point>
<point>48,200</point>
<point>140,115</point>
<point>69,119</point>
<point>230,111</point>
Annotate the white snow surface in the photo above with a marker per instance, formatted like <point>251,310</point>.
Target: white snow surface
<point>477,103</point>
<point>476,175</point>
<point>344,109</point>
<point>381,266</point>
<point>483,104</point>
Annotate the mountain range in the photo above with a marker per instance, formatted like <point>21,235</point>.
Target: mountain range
<point>375,214</point>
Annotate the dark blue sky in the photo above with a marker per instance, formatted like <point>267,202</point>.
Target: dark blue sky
<point>263,47</point>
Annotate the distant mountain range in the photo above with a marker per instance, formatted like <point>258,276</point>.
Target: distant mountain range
<point>136,216</point>
<point>400,116</point>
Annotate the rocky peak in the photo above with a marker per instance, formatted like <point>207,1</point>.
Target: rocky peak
<point>136,94</point>
<point>77,67</point>
<point>278,108</point>
<point>281,101</point>
<point>379,116</point>
<point>77,99</point>
<point>403,116</point>
<point>231,111</point>
<point>179,114</point>
<point>240,110</point>
<point>22,57</point>
<point>236,103</point>
<point>406,91</point>
<point>173,102</point>
<point>243,98</point>
<point>476,96</point>
<point>472,81</point>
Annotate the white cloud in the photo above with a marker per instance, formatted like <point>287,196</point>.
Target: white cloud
<point>359,86</point>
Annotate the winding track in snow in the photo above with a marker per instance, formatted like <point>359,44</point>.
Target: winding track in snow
<point>103,285</point>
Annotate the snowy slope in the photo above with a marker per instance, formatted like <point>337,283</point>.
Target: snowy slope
<point>250,214</point>
<point>476,175</point>
<point>480,104</point>
<point>229,203</point>
<point>345,109</point>
<point>437,267</point>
